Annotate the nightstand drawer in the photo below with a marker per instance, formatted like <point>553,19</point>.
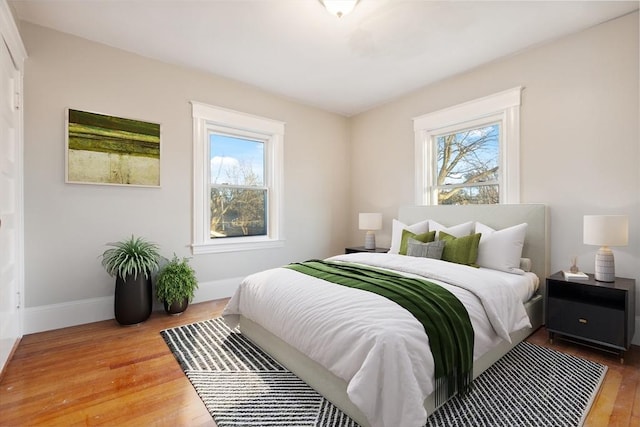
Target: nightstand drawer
<point>598,323</point>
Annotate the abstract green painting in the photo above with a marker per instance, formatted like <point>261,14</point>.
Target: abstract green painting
<point>104,149</point>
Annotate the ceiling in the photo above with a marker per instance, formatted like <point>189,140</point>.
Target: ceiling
<point>295,48</point>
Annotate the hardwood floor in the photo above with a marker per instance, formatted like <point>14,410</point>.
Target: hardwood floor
<point>618,402</point>
<point>106,374</point>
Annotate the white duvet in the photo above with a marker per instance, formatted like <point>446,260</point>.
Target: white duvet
<point>376,346</point>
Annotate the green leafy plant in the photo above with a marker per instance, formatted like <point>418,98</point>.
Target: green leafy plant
<point>176,281</point>
<point>131,257</point>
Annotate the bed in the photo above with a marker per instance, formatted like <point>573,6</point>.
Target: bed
<point>379,387</point>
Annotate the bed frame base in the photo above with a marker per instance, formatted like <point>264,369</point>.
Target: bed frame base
<point>335,388</point>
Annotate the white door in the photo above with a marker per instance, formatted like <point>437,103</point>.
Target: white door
<point>11,202</point>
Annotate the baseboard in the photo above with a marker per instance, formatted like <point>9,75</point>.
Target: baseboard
<point>6,361</point>
<point>218,289</point>
<point>55,316</point>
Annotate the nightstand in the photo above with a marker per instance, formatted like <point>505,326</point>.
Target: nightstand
<point>354,249</point>
<point>589,312</point>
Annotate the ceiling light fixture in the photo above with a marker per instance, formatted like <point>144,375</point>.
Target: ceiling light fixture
<point>339,8</point>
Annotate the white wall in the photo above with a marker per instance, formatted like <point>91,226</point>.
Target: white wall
<point>580,146</point>
<point>67,225</point>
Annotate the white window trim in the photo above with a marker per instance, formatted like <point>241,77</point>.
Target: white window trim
<point>206,117</point>
<point>503,107</point>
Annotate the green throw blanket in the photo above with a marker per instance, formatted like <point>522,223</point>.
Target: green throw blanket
<point>444,318</point>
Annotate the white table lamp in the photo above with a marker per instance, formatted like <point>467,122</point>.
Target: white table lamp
<point>605,231</point>
<point>370,222</point>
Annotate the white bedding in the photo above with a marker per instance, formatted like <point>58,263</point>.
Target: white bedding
<point>525,285</point>
<point>376,346</point>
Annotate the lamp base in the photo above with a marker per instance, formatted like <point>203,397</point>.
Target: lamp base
<point>605,266</point>
<point>370,240</point>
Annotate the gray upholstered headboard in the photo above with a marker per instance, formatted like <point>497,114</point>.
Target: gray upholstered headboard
<point>496,217</point>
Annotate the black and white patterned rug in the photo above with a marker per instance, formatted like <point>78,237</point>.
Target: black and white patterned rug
<point>243,386</point>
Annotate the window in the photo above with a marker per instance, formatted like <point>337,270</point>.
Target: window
<point>469,154</point>
<point>238,193</point>
<point>467,169</point>
<point>237,180</point>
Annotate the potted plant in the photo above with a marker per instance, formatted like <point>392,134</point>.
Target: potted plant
<point>132,261</point>
<point>176,284</point>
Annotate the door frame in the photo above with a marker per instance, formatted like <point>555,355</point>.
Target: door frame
<point>11,37</point>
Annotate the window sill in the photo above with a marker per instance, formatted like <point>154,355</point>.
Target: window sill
<point>219,247</point>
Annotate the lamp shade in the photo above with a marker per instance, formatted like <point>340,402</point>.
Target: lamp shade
<point>370,221</point>
<point>606,230</point>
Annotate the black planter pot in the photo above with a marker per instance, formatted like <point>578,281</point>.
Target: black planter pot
<point>176,307</point>
<point>133,299</point>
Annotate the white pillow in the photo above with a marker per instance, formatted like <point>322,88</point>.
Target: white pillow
<point>459,230</point>
<point>396,232</point>
<point>502,249</point>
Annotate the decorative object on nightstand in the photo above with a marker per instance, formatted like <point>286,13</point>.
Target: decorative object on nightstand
<point>590,312</point>
<point>370,222</point>
<point>574,272</point>
<point>574,265</point>
<point>605,231</point>
<point>579,275</point>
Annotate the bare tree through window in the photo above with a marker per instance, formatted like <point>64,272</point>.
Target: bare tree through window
<point>238,203</point>
<point>467,166</point>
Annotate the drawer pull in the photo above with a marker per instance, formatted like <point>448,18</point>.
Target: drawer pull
<point>583,321</point>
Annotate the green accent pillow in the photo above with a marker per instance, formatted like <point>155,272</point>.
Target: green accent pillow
<point>427,237</point>
<point>461,250</point>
